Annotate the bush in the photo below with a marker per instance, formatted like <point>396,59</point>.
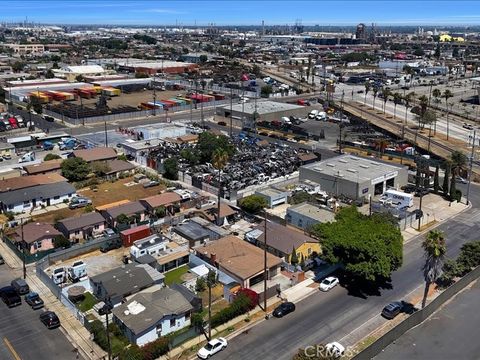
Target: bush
<point>51,156</point>
<point>170,166</point>
<point>10,215</point>
<point>239,306</point>
<point>156,348</point>
<point>200,285</point>
<point>75,169</point>
<point>253,204</point>
<point>197,321</point>
<point>61,241</point>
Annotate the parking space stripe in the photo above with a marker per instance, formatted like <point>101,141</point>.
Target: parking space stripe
<point>12,350</point>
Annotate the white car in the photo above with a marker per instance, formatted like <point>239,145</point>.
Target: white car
<point>213,346</point>
<point>328,283</point>
<point>334,349</point>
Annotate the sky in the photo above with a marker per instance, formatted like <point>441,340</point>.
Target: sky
<point>245,12</point>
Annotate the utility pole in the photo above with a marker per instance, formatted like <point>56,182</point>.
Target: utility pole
<point>231,112</point>
<point>106,136</point>
<point>154,94</point>
<point>265,266</point>
<point>470,167</point>
<point>108,306</point>
<point>23,251</point>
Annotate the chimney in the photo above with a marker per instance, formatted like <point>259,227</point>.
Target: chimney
<point>213,258</point>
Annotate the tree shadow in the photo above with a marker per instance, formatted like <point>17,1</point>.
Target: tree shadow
<point>362,289</point>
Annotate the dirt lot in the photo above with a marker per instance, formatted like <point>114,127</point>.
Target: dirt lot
<point>105,193</point>
<point>133,99</point>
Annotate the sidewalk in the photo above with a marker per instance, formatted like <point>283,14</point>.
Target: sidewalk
<point>296,293</point>
<point>75,332</point>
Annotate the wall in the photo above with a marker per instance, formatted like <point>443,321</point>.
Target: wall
<point>18,208</point>
<point>47,244</point>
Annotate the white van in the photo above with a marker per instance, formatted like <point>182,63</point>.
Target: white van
<point>30,156</point>
<point>286,120</point>
<point>397,198</point>
<point>313,114</point>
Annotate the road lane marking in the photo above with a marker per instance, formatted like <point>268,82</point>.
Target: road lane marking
<point>12,350</point>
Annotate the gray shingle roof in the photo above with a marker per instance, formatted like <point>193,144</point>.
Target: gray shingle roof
<point>82,221</point>
<point>133,207</point>
<point>150,307</point>
<point>38,192</point>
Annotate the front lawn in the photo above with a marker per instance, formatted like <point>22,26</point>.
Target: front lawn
<point>175,276</point>
<point>87,303</point>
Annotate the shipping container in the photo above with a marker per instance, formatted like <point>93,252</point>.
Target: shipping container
<point>130,235</point>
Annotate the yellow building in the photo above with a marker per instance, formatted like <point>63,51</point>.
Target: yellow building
<point>282,241</point>
<point>447,38</point>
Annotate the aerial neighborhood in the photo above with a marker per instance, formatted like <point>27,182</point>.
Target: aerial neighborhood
<point>244,192</point>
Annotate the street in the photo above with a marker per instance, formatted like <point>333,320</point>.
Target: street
<point>450,333</point>
<point>21,329</point>
<point>326,317</point>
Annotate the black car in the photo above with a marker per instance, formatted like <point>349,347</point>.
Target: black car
<point>284,309</point>
<point>392,310</point>
<point>34,300</point>
<point>21,286</point>
<point>10,297</point>
<point>422,192</point>
<point>111,245</point>
<point>409,188</point>
<point>50,319</point>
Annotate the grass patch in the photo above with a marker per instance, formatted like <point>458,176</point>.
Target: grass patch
<point>87,303</point>
<point>175,276</point>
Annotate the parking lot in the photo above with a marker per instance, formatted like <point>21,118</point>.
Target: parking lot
<point>22,330</point>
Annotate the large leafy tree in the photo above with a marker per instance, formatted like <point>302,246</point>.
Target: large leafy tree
<point>253,204</point>
<point>369,247</point>
<point>435,249</point>
<point>208,143</point>
<point>75,169</point>
<point>170,167</point>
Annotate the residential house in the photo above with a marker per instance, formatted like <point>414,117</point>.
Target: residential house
<point>239,259</point>
<point>36,237</point>
<point>168,199</point>
<point>130,209</point>
<point>305,215</point>
<point>281,241</point>
<point>95,154</point>
<point>198,231</point>
<point>44,167</point>
<point>24,193</point>
<point>124,281</point>
<point>82,227</point>
<point>226,213</point>
<point>192,298</point>
<point>116,168</point>
<point>149,315</point>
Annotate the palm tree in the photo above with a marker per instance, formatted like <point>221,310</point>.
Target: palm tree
<point>458,161</point>
<point>437,93</point>
<point>408,99</point>
<point>435,249</point>
<point>447,94</point>
<point>375,92</point>
<point>381,144</point>
<point>397,99</point>
<point>423,109</point>
<point>385,94</point>
<point>367,89</point>
<point>219,161</point>
<point>211,281</point>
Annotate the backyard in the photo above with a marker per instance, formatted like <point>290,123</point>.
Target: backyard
<point>175,276</point>
<point>87,303</point>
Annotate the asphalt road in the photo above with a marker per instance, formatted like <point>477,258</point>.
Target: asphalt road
<point>21,327</point>
<point>450,333</point>
<point>331,316</point>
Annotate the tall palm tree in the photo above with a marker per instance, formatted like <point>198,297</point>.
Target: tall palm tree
<point>423,108</point>
<point>458,161</point>
<point>435,249</point>
<point>447,94</point>
<point>437,94</point>
<point>375,92</point>
<point>367,89</point>
<point>211,280</point>
<point>385,94</point>
<point>408,98</point>
<point>219,161</point>
<point>397,99</point>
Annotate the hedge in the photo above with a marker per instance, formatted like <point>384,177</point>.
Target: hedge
<point>239,306</point>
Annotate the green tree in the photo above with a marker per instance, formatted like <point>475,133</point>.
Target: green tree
<point>367,89</point>
<point>434,248</point>
<point>122,219</point>
<point>437,93</point>
<point>469,257</point>
<point>453,188</point>
<point>447,94</point>
<point>300,197</point>
<point>219,161</point>
<point>49,74</point>
<point>61,241</point>
<point>160,212</point>
<point>100,168</point>
<point>458,161</point>
<point>436,180</point>
<point>75,169</point>
<point>369,247</point>
<point>294,257</point>
<point>253,204</point>
<point>51,156</point>
<point>445,186</point>
<point>200,284</point>
<point>208,143</point>
<point>397,99</point>
<point>170,167</point>
<point>265,91</point>
<point>385,95</point>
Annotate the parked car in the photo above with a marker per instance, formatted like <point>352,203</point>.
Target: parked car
<point>10,296</point>
<point>50,319</point>
<point>212,347</point>
<point>284,309</point>
<point>34,300</point>
<point>392,310</point>
<point>222,123</point>
<point>335,350</point>
<point>20,286</point>
<point>422,192</point>
<point>111,245</point>
<point>108,232</point>
<point>467,126</point>
<point>79,202</point>
<point>328,283</point>
<point>150,183</point>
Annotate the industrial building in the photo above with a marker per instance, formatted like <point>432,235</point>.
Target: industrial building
<point>71,72</point>
<point>354,177</point>
<point>146,66</point>
<point>266,110</point>
<point>305,215</point>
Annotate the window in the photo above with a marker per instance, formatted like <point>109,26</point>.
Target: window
<point>159,329</point>
<point>172,322</point>
<point>56,197</point>
<point>96,227</point>
<point>37,244</point>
